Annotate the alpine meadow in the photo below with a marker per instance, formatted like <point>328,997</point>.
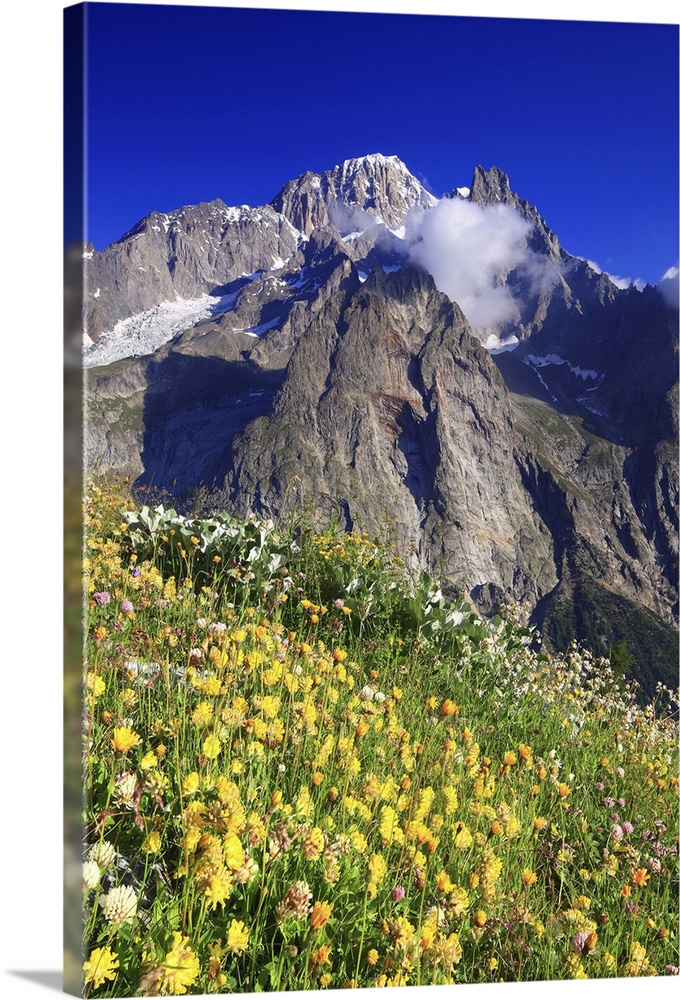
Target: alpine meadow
<point>378,501</point>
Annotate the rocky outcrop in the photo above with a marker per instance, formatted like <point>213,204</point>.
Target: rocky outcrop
<point>394,418</point>
<point>380,187</point>
<point>184,254</point>
<point>329,372</point>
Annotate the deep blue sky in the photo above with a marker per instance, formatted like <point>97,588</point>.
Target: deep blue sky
<point>187,104</point>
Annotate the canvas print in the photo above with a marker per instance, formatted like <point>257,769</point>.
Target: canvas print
<point>377,344</point>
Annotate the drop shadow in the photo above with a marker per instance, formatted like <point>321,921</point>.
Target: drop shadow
<point>51,980</point>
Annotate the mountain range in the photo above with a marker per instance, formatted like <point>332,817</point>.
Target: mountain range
<point>440,370</point>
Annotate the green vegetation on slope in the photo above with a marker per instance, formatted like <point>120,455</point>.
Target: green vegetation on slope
<point>642,647</point>
<point>303,771</point>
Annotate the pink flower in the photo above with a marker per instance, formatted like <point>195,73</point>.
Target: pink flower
<point>102,597</point>
<point>126,607</point>
<point>579,942</point>
<point>397,893</point>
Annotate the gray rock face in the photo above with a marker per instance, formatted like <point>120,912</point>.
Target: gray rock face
<point>380,186</point>
<point>184,254</point>
<point>331,372</point>
<point>394,417</point>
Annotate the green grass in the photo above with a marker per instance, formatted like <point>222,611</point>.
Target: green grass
<point>311,772</point>
<point>604,620</point>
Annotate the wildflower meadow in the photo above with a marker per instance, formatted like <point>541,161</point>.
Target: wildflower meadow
<point>304,767</point>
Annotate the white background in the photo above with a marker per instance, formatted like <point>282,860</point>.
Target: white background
<point>31,522</point>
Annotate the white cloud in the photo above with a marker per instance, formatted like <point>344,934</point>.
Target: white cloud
<point>626,282</point>
<point>351,218</point>
<point>615,278</point>
<point>669,286</point>
<point>469,250</point>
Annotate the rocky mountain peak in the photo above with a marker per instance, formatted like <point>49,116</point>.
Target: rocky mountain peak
<point>381,186</point>
<point>490,186</point>
<point>297,346</point>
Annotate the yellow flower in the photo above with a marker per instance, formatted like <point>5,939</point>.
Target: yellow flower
<point>321,955</point>
<point>320,914</point>
<point>313,844</point>
<point>463,838</point>
<point>529,877</point>
<point>202,715</point>
<point>179,968</point>
<point>152,843</point>
<point>641,877</point>
<point>211,746</point>
<point>125,738</point>
<point>218,888</point>
<point>372,957</point>
<point>237,937</point>
<point>96,685</point>
<point>190,783</point>
<point>234,855</point>
<point>389,824</point>
<point>270,707</point>
<point>444,883</point>
<point>101,965</point>
<point>148,761</point>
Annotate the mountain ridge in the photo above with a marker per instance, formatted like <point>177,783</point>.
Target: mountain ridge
<point>323,364</point>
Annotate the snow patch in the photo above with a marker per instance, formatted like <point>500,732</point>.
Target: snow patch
<point>585,403</point>
<point>495,345</point>
<point>146,332</point>
<point>541,361</point>
<point>257,331</point>
<point>463,192</point>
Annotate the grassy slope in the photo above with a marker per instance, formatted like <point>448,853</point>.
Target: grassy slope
<point>316,775</point>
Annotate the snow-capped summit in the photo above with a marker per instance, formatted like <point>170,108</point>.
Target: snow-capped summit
<point>382,186</point>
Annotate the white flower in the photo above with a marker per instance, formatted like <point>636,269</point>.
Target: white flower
<point>366,693</point>
<point>102,853</point>
<point>119,905</point>
<point>91,874</point>
<point>379,696</point>
<point>126,785</point>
